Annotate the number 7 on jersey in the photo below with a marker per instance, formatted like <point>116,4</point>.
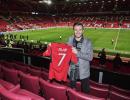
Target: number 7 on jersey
<point>62,58</point>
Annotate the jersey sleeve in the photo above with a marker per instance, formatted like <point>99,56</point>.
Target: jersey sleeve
<point>48,51</point>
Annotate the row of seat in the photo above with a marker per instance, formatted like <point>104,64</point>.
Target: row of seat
<point>32,86</point>
<point>124,68</point>
<point>106,91</point>
<point>33,70</point>
<point>99,90</point>
<point>11,78</point>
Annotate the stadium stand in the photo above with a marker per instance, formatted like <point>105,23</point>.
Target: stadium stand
<point>24,23</point>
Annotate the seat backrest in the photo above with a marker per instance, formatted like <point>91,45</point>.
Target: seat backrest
<point>44,75</point>
<point>1,74</point>
<point>31,83</point>
<point>10,75</point>
<point>8,95</point>
<point>45,69</point>
<point>34,72</point>
<point>96,89</point>
<point>119,90</point>
<point>116,96</point>
<point>102,93</point>
<point>74,95</point>
<point>99,85</point>
<point>6,64</point>
<point>93,84</point>
<point>20,67</point>
<point>35,67</point>
<point>58,92</point>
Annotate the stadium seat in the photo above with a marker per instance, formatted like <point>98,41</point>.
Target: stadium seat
<point>20,68</point>
<point>1,73</point>
<point>117,96</point>
<point>75,95</point>
<point>99,85</point>
<point>46,70</point>
<point>6,84</point>
<point>58,92</point>
<point>96,89</point>
<point>29,94</point>
<point>35,67</point>
<point>23,94</point>
<point>10,75</point>
<point>94,84</point>
<point>99,92</point>
<point>7,64</point>
<point>30,83</point>
<point>8,95</point>
<point>119,90</point>
<point>34,72</point>
<point>44,75</point>
<point>18,63</point>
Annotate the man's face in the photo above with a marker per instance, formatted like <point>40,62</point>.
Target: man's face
<point>78,31</point>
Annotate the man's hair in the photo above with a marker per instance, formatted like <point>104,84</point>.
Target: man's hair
<point>78,24</point>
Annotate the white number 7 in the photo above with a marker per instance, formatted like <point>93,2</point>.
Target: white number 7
<point>62,58</point>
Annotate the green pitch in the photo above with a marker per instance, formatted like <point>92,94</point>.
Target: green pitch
<point>101,38</point>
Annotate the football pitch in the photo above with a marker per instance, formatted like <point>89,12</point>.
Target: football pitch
<point>101,38</point>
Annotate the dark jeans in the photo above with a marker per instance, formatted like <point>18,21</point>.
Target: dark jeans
<point>84,85</point>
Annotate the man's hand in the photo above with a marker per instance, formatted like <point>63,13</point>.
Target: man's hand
<point>49,44</point>
<point>74,50</point>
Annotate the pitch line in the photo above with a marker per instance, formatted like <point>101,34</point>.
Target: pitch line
<point>117,39</point>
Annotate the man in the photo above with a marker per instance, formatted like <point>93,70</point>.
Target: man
<point>117,61</point>
<point>83,49</point>
<point>102,57</point>
<point>60,37</point>
<point>112,41</point>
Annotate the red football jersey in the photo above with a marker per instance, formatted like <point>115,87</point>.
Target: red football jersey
<point>61,55</point>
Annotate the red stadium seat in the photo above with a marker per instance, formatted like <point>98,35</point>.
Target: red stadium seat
<point>99,85</point>
<point>74,95</point>
<point>102,93</point>
<point>1,73</point>
<point>116,96</point>
<point>20,67</point>
<point>46,70</point>
<point>35,67</point>
<point>30,83</point>
<point>6,84</point>
<point>58,92</point>
<point>34,72</point>
<point>96,89</point>
<point>10,75</point>
<point>8,95</point>
<point>7,64</point>
<point>20,94</point>
<point>119,90</point>
<point>29,94</point>
<point>94,84</point>
<point>44,75</point>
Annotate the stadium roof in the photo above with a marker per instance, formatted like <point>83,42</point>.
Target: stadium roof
<point>65,6</point>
